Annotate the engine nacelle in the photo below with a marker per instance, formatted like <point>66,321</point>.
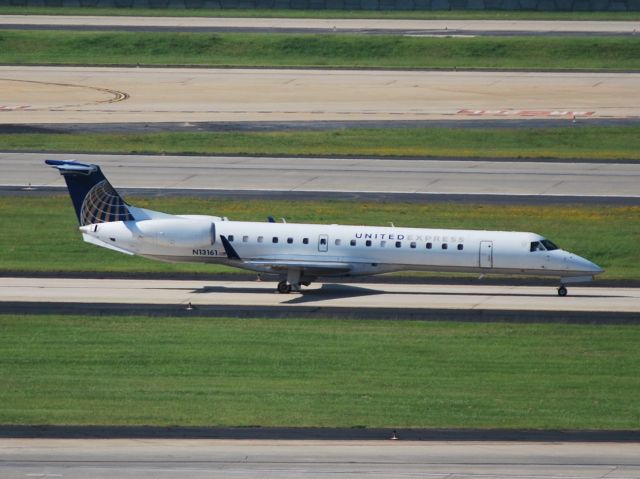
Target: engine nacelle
<point>184,233</point>
<point>173,232</point>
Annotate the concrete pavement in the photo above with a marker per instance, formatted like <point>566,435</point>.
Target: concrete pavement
<point>133,459</point>
<point>105,94</point>
<point>178,294</point>
<point>433,27</point>
<point>395,176</point>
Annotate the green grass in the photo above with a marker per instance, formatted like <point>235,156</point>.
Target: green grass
<point>233,372</point>
<point>279,13</point>
<point>40,233</point>
<point>601,143</point>
<point>309,50</point>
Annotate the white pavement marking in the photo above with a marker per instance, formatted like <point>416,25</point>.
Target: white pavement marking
<point>416,26</point>
<point>338,175</point>
<point>107,95</point>
<point>358,295</point>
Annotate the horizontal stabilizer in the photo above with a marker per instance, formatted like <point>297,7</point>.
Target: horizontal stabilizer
<point>72,166</point>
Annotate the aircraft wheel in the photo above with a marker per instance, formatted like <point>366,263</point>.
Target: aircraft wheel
<point>283,287</point>
<point>305,283</point>
<point>562,291</point>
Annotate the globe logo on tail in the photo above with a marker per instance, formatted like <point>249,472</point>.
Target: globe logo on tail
<point>102,204</point>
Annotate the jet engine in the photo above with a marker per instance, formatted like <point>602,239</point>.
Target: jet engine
<point>174,232</point>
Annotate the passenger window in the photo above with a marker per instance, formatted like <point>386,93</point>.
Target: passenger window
<point>260,239</point>
<point>383,243</point>
<point>398,244</point>
<point>289,240</point>
<point>460,247</point>
<point>245,239</point>
<point>323,241</point>
<point>367,243</point>
<point>305,240</point>
<point>230,238</point>
<point>444,246</point>
<point>413,244</point>
<point>429,245</point>
<point>338,242</point>
<point>274,239</point>
<point>353,242</point>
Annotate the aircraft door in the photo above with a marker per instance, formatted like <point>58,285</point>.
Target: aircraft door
<point>486,254</point>
<point>323,243</point>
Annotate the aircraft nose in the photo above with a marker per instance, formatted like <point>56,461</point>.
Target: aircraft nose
<point>584,265</point>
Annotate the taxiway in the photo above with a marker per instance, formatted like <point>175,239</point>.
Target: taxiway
<point>310,25</point>
<point>335,175</point>
<point>132,459</point>
<point>260,296</point>
<point>105,94</point>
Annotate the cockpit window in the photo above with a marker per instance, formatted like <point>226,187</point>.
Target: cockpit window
<point>549,245</point>
<point>536,246</point>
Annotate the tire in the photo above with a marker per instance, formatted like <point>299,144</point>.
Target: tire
<point>562,291</point>
<point>283,287</point>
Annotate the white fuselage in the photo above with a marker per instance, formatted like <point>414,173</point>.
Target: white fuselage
<point>337,250</point>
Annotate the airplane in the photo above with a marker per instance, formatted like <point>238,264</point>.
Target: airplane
<point>302,253</point>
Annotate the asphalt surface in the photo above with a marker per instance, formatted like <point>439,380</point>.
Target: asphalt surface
<point>222,126</point>
<point>323,26</point>
<point>488,199</point>
<point>318,434</point>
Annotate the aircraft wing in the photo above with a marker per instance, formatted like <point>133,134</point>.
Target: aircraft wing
<point>315,268</point>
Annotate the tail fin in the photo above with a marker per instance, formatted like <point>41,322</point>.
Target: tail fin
<point>93,197</point>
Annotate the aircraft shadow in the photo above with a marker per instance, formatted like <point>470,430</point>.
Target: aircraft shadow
<point>329,291</point>
<point>325,292</point>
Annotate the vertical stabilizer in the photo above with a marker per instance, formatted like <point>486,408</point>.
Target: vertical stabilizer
<point>93,197</point>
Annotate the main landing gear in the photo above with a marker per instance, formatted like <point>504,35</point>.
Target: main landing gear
<point>285,288</point>
<point>562,291</point>
<point>292,283</point>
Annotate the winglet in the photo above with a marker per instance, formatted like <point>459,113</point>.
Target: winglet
<point>231,253</point>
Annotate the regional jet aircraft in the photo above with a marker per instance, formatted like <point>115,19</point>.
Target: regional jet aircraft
<point>301,253</point>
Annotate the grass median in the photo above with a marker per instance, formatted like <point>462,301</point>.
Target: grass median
<point>40,233</point>
<point>600,143</point>
<point>329,373</point>
<point>23,47</point>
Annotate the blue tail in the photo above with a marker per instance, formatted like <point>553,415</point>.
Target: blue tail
<point>93,197</point>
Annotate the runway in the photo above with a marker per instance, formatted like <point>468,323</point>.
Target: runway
<point>475,179</point>
<point>132,459</point>
<point>329,26</point>
<point>115,95</point>
<point>395,301</point>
